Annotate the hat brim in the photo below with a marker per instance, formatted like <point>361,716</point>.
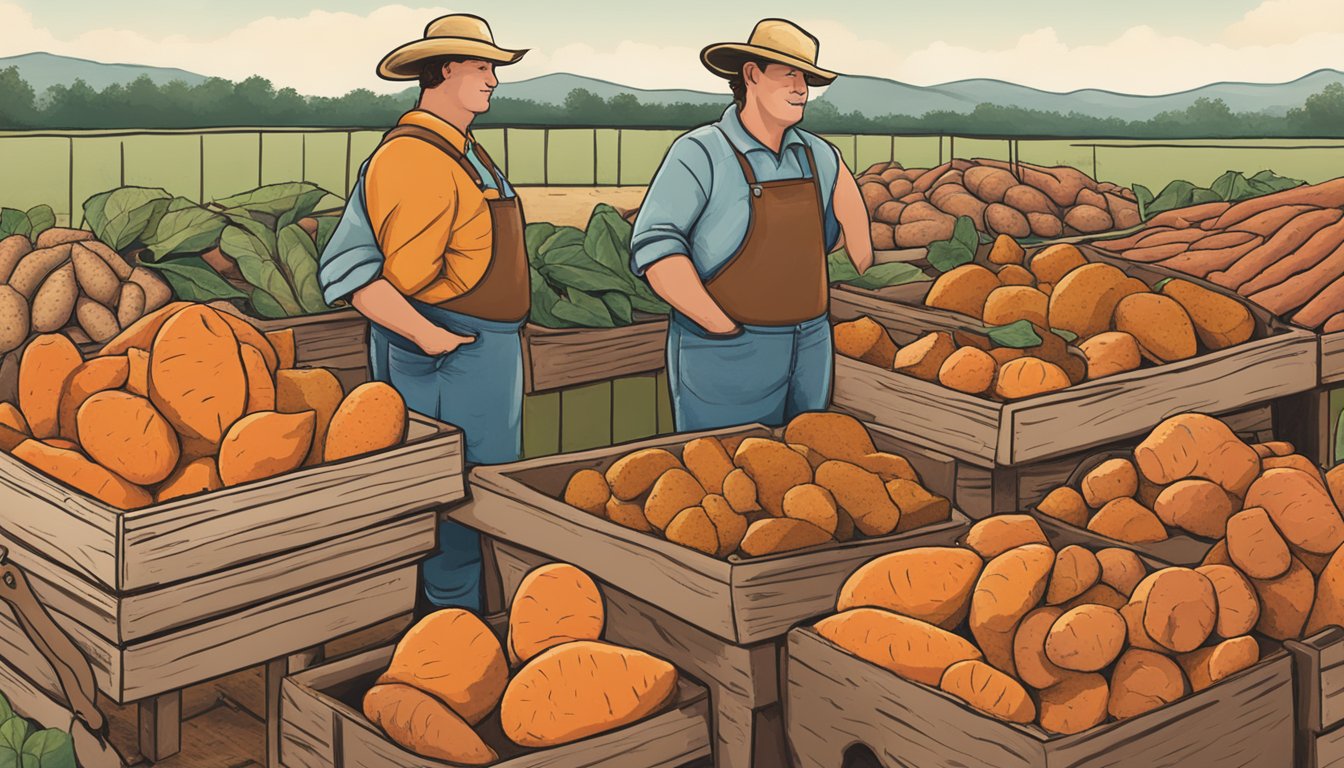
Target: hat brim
<point>725,60</point>
<point>404,62</point>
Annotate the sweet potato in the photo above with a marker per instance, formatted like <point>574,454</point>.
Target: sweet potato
<point>95,277</point>
<point>1285,602</point>
<point>371,418</point>
<point>989,690</point>
<point>1033,667</point>
<point>587,490</point>
<point>729,525</point>
<point>54,302</point>
<point>1315,563</point>
<point>963,289</point>
<point>1173,609</point>
<point>1010,303</point>
<point>1074,704</point>
<point>1121,569</point>
<point>1027,377</point>
<point>1300,507</point>
<point>813,504</point>
<point>1045,225</point>
<point>1002,220</point>
<point>1206,666</point>
<point>932,584</point>
<point>260,383</point>
<point>34,268</point>
<point>1205,263</point>
<point>1088,219</point>
<point>1148,492</point>
<point>1238,608</point>
<point>1030,200</point>
<point>1268,222</point>
<point>60,235</point>
<point>1295,461</point>
<point>1065,504</point>
<point>1083,300</point>
<point>1255,545</point>
<point>1111,353</point>
<point>1154,253</point>
<point>814,459</point>
<point>124,433</point>
<point>96,320</point>
<point>1160,325</point>
<point>283,342</point>
<point>96,375</point>
<point>141,333</point>
<point>988,184</point>
<point>555,603</point>
<point>197,378</point>
<point>1329,194</point>
<point>1144,681</point>
<point>265,444</point>
<point>1129,521</point>
<point>157,291</point>
<point>675,490</point>
<point>1293,236</point>
<point>918,234</point>
<point>968,370</point>
<point>1009,587</point>
<point>862,494</point>
<point>1195,445</point>
<point>1158,236</point>
<point>1217,554</point>
<point>1076,571</point>
<point>1014,274</point>
<point>197,476</point>
<point>12,249</point>
<point>310,389</point>
<point>774,468</point>
<point>997,534</point>
<point>882,234</point>
<point>707,460</point>
<point>923,358</point>
<point>12,418</point>
<point>833,435</point>
<point>1099,594</point>
<point>452,655</point>
<point>1318,265</point>
<point>1052,263</point>
<point>628,514</point>
<point>1005,249</point>
<point>130,305</point>
<point>1201,507</point>
<point>692,528</point>
<point>864,339</point>
<point>1086,639</point>
<point>887,466</point>
<point>1328,606</point>
<point>918,506</point>
<point>15,319</point>
<point>424,725</point>
<point>44,370</point>
<point>1325,306</point>
<point>905,646</point>
<point>71,468</point>
<point>1220,321</point>
<point>740,491</point>
<point>774,535</point>
<point>1110,480</point>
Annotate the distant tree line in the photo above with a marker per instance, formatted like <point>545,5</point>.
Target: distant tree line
<point>217,102</point>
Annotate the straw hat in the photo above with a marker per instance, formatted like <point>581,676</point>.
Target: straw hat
<point>458,34</point>
<point>774,40</point>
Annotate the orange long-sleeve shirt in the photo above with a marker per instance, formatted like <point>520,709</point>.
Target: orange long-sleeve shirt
<point>430,219</point>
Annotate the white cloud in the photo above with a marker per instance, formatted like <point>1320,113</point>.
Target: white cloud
<point>1282,22</point>
<point>627,62</point>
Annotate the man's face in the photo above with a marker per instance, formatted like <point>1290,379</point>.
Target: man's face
<point>471,83</point>
<point>779,90</point>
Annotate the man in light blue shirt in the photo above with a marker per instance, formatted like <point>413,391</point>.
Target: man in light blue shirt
<point>734,233</point>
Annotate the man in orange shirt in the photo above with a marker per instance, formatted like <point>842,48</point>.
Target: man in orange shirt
<point>430,248</point>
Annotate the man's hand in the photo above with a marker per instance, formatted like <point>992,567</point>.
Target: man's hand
<point>437,341</point>
<point>675,280</point>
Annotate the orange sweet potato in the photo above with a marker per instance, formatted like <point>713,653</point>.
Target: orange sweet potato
<point>1033,667</point>
<point>1076,571</point>
<point>452,655</point>
<point>706,458</point>
<point>932,584</point>
<point>1074,704</point>
<point>1300,507</point>
<point>189,479</point>
<point>864,339</point>
<point>196,374</point>
<point>908,647</point>
<point>265,444</point>
<point>1238,607</point>
<point>1086,639</point>
<point>555,603</point>
<point>1285,602</point>
<point>1206,666</point>
<point>425,725</point>
<point>1255,545</point>
<point>587,490</point>
<point>1064,504</point>
<point>1129,521</point>
<point>1110,480</point>
<point>997,534</point>
<point>286,352</point>
<point>46,366</point>
<point>1173,609</point>
<point>309,389</point>
<point>1196,445</point>
<point>833,435</point>
<point>74,470</point>
<point>371,418</point>
<point>989,690</point>
<point>1121,569</point>
<point>260,382</point>
<point>137,372</point>
<point>141,333</point>
<point>1009,587</point>
<point>1143,681</point>
<point>91,377</point>
<point>124,433</point>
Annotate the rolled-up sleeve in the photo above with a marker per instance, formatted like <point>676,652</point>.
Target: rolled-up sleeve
<point>351,259</point>
<point>829,172</point>
<point>672,206</point>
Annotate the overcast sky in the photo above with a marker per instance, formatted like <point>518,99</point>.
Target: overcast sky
<point>330,47</point>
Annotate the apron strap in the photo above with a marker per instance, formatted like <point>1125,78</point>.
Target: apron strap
<point>816,182</point>
<point>437,141</point>
<point>741,158</point>
<point>488,163</point>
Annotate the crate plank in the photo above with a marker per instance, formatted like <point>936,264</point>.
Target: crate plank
<point>31,700</point>
<point>559,358</point>
<point>1332,357</point>
<point>836,701</point>
<point>1325,750</point>
<point>1319,667</point>
<point>541,424</point>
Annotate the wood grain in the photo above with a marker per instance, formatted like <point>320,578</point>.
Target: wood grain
<point>1318,663</point>
<point>1324,751</point>
<point>559,358</point>
<point>31,700</point>
<point>1332,357</point>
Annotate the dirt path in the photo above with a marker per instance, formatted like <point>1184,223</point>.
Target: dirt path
<point>570,206</point>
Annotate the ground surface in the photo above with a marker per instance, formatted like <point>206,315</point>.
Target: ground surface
<point>570,206</point>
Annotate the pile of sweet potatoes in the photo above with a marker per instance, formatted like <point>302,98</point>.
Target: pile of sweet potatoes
<point>911,208</point>
<point>450,683</point>
<point>1066,639</point>
<point>186,400</point>
<point>1283,251</point>
<point>823,482</point>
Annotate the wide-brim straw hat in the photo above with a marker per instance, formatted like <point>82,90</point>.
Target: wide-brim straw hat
<point>774,40</point>
<point>458,34</point>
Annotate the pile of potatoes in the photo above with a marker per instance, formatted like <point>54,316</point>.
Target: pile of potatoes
<point>823,482</point>
<point>450,673</point>
<point>1065,638</point>
<point>68,281</point>
<point>911,208</point>
<point>1116,322</point>
<point>186,400</point>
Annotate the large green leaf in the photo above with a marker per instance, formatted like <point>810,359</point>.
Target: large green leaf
<point>570,255</point>
<point>121,216</point>
<point>964,232</point>
<point>560,237</point>
<point>13,733</point>
<point>14,222</point>
<point>534,236</point>
<point>1272,182</point>
<point>298,254</point>
<point>593,279</point>
<point>618,304</point>
<point>40,219</point>
<point>1232,186</point>
<point>326,225</point>
<point>1144,197</point>
<point>277,199</point>
<point>254,248</point>
<point>947,255</point>
<point>603,244</point>
<point>6,711</point>
<point>1177,194</point>
<point>265,305</point>
<point>194,280</point>
<point>1018,335</point>
<point>583,310</point>
<point>839,269</point>
<point>544,299</point>
<point>886,275</point>
<point>50,748</point>
<point>184,229</point>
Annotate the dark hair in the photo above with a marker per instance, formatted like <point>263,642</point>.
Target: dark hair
<point>431,70</point>
<point>738,82</point>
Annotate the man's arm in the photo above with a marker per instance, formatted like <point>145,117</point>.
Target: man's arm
<point>674,278</point>
<point>383,304</point>
<point>853,217</point>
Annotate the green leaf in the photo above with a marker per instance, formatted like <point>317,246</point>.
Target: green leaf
<point>1201,196</point>
<point>561,236</point>
<point>583,310</point>
<point>544,299</point>
<point>326,225</point>
<point>1068,336</point>
<point>298,254</point>
<point>265,305</point>
<point>839,268</point>
<point>1144,197</point>
<point>1232,186</point>
<point>40,219</point>
<point>254,248</point>
<point>6,711</point>
<point>652,305</point>
<point>603,244</point>
<point>123,215</point>
<point>295,197</point>
<point>535,235</point>
<point>50,748</point>
<point>194,280</point>
<point>592,279</point>
<point>570,255</point>
<point>13,733</point>
<point>1177,194</point>
<point>1274,182</point>
<point>618,304</point>
<point>886,275</point>
<point>965,233</point>
<point>947,255</point>
<point>14,222</point>
<point>1158,287</point>
<point>1018,335</point>
<point>184,230</point>
<point>1339,441</point>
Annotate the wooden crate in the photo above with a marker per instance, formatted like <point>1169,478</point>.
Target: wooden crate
<point>1325,750</point>
<point>1332,358</point>
<point>560,358</point>
<point>1318,666</point>
<point>1278,362</point>
<point>336,340</point>
<point>840,708</point>
<point>742,600</point>
<point>322,726</point>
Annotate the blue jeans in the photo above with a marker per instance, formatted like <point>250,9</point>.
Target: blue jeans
<point>767,374</point>
<point>478,387</point>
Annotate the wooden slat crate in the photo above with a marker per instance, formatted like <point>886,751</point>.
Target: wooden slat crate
<point>840,708</point>
<point>322,726</point>
<point>1318,665</point>
<point>560,358</point>
<point>1332,357</point>
<point>1279,361</point>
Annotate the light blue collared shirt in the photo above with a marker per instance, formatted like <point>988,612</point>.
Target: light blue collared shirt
<point>698,202</point>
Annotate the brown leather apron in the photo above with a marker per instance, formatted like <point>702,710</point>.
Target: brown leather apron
<point>503,293</point>
<point>778,275</point>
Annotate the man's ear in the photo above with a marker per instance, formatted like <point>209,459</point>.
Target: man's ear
<point>751,72</point>
<point>446,66</point>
